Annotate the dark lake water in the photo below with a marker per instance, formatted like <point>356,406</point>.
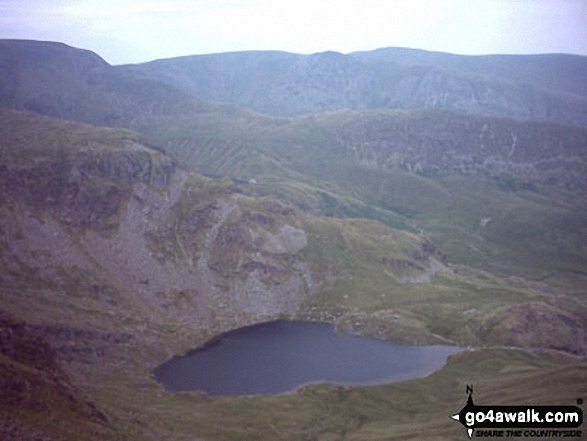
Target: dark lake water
<point>277,357</point>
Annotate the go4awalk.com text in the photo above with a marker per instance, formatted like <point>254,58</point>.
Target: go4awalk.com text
<point>520,421</point>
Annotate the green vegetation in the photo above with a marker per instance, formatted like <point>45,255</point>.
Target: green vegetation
<point>361,274</point>
<point>477,214</point>
<point>407,410</point>
<point>417,226</point>
<point>417,409</point>
<point>546,87</point>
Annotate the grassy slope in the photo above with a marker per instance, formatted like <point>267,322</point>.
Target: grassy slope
<point>352,263</point>
<point>553,71</point>
<point>417,409</point>
<point>544,87</point>
<point>251,149</point>
<point>535,228</point>
<point>120,383</point>
<point>36,396</point>
<point>304,160</point>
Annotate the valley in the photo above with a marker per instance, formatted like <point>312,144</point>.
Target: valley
<point>139,220</point>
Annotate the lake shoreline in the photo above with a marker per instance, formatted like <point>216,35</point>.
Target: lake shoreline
<point>266,357</point>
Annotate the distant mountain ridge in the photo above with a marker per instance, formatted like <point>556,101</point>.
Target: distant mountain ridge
<point>550,87</point>
<point>61,81</point>
<point>344,163</point>
<point>420,226</point>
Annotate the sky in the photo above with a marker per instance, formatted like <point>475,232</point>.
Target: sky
<point>142,30</point>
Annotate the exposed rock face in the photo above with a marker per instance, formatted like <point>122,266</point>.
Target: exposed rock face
<point>432,88</point>
<point>132,216</point>
<point>33,383</point>
<point>118,258</point>
<point>560,323</point>
<point>103,222</point>
<point>115,224</point>
<point>432,142</point>
<point>65,82</point>
<point>542,87</point>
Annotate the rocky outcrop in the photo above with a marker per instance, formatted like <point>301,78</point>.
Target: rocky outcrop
<point>105,224</point>
<point>118,258</point>
<point>32,383</point>
<point>118,224</point>
<point>558,323</point>
<point>539,88</point>
<point>517,153</point>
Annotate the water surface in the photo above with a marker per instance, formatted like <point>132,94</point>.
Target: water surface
<point>277,357</point>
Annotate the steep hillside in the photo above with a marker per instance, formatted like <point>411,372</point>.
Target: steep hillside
<point>97,210</point>
<point>557,72</point>
<point>37,399</point>
<point>117,258</point>
<point>533,87</point>
<point>60,81</point>
<point>501,194</point>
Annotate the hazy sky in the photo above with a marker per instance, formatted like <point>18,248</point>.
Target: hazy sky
<point>141,30</point>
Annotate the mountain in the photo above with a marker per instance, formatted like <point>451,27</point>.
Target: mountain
<point>115,257</point>
<point>349,164</point>
<point>547,87</point>
<point>515,187</point>
<point>36,395</point>
<point>436,171</point>
<point>415,226</point>
<point>60,81</point>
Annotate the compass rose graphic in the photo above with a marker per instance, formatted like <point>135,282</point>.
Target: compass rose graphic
<point>469,407</point>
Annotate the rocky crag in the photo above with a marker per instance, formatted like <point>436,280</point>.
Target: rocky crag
<point>115,257</point>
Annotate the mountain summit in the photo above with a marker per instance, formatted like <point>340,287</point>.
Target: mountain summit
<point>536,87</point>
<point>439,200</point>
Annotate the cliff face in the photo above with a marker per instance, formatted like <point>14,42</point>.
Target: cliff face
<point>118,258</point>
<point>158,99</point>
<point>128,215</point>
<point>114,258</point>
<point>115,255</point>
<point>100,211</point>
<point>435,142</point>
<point>479,95</point>
<point>96,217</point>
<point>538,88</point>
